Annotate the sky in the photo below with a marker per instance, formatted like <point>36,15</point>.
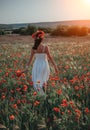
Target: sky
<point>32,11</point>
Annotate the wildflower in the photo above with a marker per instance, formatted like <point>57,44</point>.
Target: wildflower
<point>53,84</point>
<point>74,80</point>
<point>3,96</point>
<point>64,103</point>
<point>35,93</point>
<point>23,100</point>
<point>12,91</point>
<point>69,111</point>
<point>0,71</point>
<point>85,68</point>
<point>52,78</point>
<point>30,82</point>
<point>59,92</point>
<point>78,114</point>
<point>18,73</point>
<point>14,106</point>
<point>56,109</point>
<point>66,67</point>
<point>12,117</point>
<point>78,95</point>
<point>76,88</point>
<point>88,74</point>
<point>56,78</point>
<point>82,87</point>
<point>62,113</point>
<point>6,74</point>
<point>71,103</point>
<point>23,75</point>
<point>25,87</point>
<point>87,110</point>
<point>36,103</point>
<point>18,89</point>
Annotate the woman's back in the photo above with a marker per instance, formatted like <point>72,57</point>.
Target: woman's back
<point>40,49</point>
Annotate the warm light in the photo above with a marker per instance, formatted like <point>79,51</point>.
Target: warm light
<point>87,1</point>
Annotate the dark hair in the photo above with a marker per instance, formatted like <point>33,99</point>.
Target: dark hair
<point>37,43</point>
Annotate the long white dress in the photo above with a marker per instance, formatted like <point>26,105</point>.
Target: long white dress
<point>40,71</point>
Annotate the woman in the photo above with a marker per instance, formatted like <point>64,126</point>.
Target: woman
<point>41,70</point>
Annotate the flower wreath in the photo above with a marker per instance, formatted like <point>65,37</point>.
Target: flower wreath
<point>38,34</point>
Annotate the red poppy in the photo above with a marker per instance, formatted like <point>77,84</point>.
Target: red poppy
<point>25,87</point>
<point>6,74</point>
<point>78,114</point>
<point>82,87</point>
<point>35,93</point>
<point>0,71</point>
<point>31,83</point>
<point>56,109</point>
<point>18,89</point>
<point>64,103</point>
<point>69,111</point>
<point>56,78</point>
<point>14,106</point>
<point>76,88</point>
<point>66,67</point>
<point>18,73</point>
<point>23,100</point>
<point>36,103</point>
<point>87,110</point>
<point>59,91</point>
<point>3,96</point>
<point>12,117</point>
<point>53,84</point>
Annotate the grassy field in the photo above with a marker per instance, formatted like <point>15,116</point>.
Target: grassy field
<point>66,105</point>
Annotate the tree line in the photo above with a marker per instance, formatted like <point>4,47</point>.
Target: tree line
<point>61,30</point>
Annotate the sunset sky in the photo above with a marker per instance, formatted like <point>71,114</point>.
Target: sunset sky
<point>29,11</point>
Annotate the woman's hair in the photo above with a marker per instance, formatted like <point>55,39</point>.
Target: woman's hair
<point>38,36</point>
<point>37,43</point>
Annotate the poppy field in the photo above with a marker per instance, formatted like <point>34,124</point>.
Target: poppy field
<point>66,103</point>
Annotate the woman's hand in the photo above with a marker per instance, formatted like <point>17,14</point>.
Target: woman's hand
<point>25,69</point>
<point>56,70</point>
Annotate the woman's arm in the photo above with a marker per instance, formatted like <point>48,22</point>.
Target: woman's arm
<point>51,59</point>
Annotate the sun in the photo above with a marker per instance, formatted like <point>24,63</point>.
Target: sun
<point>87,1</point>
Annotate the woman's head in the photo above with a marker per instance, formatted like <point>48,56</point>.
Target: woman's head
<point>38,37</point>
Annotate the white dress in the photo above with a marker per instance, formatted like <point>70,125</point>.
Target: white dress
<point>40,71</point>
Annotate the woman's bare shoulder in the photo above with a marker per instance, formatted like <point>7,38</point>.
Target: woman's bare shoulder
<point>33,51</point>
<point>46,47</point>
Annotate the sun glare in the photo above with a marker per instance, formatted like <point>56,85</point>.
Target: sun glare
<point>87,1</point>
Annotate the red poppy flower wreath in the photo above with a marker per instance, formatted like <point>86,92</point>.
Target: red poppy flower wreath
<point>38,34</point>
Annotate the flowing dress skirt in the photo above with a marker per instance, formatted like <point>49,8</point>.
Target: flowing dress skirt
<point>40,71</point>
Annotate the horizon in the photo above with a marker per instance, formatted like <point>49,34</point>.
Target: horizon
<point>47,21</point>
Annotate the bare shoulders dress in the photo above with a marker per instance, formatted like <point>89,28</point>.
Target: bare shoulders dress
<point>40,70</point>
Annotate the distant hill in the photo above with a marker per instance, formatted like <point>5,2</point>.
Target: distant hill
<point>46,24</point>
